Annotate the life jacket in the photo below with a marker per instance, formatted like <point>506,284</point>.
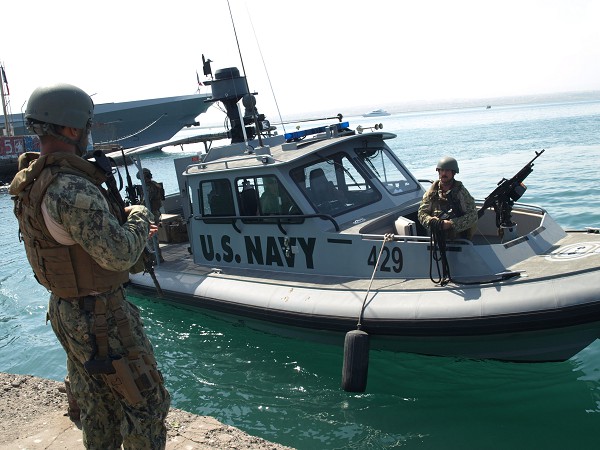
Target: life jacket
<point>66,270</point>
<point>450,204</point>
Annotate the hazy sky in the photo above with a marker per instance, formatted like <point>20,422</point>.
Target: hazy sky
<point>319,55</point>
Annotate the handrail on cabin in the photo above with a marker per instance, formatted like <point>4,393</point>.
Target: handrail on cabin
<point>268,219</point>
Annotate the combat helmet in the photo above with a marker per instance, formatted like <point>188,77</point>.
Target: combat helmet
<point>448,163</point>
<point>147,173</point>
<point>60,104</point>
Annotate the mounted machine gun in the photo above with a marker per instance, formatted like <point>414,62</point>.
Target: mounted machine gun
<point>506,194</point>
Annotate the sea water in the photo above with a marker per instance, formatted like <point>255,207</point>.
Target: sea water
<point>288,391</point>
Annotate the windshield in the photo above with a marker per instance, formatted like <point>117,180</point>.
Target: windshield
<point>334,185</point>
<point>388,170</point>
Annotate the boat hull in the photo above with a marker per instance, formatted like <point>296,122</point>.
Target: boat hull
<point>525,320</point>
<point>11,147</point>
<point>143,122</point>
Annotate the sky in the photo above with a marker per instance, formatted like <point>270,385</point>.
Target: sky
<point>304,56</point>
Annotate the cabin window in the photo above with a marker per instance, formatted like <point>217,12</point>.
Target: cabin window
<point>334,185</point>
<point>217,198</point>
<point>264,196</point>
<point>392,175</point>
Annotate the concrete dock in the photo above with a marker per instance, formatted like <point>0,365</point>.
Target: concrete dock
<point>33,416</point>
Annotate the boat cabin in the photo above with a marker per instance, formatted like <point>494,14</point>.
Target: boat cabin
<point>322,205</point>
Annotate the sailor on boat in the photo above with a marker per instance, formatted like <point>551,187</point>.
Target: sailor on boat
<point>274,200</point>
<point>447,204</point>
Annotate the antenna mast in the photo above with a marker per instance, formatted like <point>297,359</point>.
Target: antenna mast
<point>9,129</point>
<point>238,46</point>
<point>251,102</point>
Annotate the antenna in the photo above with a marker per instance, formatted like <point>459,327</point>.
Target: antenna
<point>238,46</point>
<point>266,71</point>
<point>4,93</point>
<point>258,134</point>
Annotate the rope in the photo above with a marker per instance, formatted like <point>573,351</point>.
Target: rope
<point>438,241</point>
<point>386,238</point>
<point>131,135</point>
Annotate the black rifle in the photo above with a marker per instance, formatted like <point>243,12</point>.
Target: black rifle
<point>133,194</point>
<point>103,163</point>
<point>506,194</point>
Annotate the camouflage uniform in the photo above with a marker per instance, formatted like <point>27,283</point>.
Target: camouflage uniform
<point>155,195</point>
<point>154,198</point>
<point>457,199</point>
<point>82,210</point>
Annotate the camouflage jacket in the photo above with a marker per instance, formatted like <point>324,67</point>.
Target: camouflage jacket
<point>155,196</point>
<point>457,200</point>
<point>76,236</point>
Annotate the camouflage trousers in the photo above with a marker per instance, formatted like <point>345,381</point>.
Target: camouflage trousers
<point>107,419</point>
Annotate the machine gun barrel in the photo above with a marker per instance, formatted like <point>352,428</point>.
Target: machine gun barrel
<point>509,190</point>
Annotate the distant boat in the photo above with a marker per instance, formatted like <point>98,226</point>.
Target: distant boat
<point>140,122</point>
<point>488,107</point>
<point>125,124</point>
<point>377,113</point>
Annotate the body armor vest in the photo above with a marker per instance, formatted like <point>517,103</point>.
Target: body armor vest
<point>66,270</point>
<point>451,202</point>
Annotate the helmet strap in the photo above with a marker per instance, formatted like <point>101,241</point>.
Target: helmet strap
<point>80,145</point>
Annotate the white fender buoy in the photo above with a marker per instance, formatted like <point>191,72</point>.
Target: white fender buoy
<point>356,361</point>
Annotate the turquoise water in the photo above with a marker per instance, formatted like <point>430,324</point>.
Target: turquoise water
<point>289,392</point>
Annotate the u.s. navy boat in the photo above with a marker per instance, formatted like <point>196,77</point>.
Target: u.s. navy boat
<point>316,232</point>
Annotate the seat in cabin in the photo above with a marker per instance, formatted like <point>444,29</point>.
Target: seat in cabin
<point>248,201</point>
<point>322,191</point>
<point>221,201</point>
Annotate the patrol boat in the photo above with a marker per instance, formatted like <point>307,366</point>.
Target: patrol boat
<point>315,234</point>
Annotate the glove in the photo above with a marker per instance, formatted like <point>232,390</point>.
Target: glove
<point>434,223</point>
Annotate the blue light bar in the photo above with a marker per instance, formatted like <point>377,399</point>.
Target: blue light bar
<point>297,135</point>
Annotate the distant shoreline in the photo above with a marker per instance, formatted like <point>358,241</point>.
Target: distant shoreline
<point>460,103</point>
<point>425,106</point>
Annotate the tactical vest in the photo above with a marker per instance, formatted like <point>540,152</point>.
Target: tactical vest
<point>451,202</point>
<point>66,270</point>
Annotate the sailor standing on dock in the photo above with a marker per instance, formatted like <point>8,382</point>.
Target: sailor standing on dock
<point>81,246</point>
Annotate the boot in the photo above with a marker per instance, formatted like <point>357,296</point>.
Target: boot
<point>73,410</point>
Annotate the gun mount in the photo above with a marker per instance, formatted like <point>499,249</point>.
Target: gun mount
<point>506,194</point>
